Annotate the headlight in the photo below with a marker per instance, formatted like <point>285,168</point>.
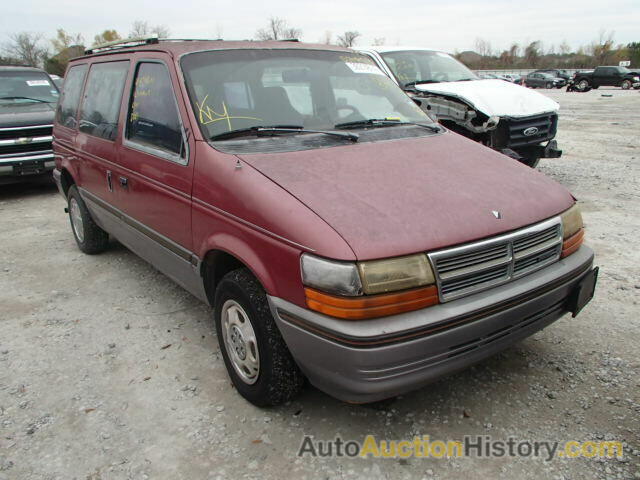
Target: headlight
<point>571,221</point>
<point>573,230</point>
<point>336,288</point>
<point>636,79</point>
<point>329,276</point>
<point>382,276</point>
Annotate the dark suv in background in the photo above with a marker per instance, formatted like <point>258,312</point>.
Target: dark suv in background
<point>28,98</point>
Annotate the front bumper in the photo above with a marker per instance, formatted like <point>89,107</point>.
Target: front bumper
<point>19,168</point>
<point>366,361</point>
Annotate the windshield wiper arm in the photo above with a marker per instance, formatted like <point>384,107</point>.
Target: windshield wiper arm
<point>277,129</point>
<point>420,82</point>
<point>385,122</point>
<point>24,98</point>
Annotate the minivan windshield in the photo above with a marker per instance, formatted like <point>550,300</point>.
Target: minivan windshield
<point>413,67</point>
<point>23,86</point>
<point>288,89</point>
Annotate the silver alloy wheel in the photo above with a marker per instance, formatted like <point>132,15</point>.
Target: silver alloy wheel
<point>76,219</point>
<point>626,85</point>
<point>240,341</point>
<point>583,84</point>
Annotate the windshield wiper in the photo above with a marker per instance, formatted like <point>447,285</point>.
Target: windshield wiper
<point>420,82</point>
<point>277,129</point>
<point>385,122</point>
<point>24,98</point>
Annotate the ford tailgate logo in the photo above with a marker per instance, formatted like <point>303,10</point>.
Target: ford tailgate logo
<point>530,131</point>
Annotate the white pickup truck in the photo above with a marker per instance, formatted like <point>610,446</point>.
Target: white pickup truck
<point>506,117</point>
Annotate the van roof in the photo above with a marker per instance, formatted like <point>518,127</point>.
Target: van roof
<point>180,47</point>
<point>384,49</point>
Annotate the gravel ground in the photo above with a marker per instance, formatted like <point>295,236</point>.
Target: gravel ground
<point>109,370</point>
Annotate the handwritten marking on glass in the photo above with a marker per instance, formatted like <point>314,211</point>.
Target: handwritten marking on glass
<point>208,115</point>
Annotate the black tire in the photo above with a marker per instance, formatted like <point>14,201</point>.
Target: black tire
<point>548,85</point>
<point>583,85</point>
<point>626,84</point>
<point>94,239</point>
<point>279,379</point>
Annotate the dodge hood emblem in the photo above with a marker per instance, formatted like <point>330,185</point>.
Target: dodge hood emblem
<point>496,214</point>
<point>530,131</point>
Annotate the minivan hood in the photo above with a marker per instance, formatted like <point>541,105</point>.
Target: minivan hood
<point>26,114</point>
<point>495,97</point>
<point>405,196</point>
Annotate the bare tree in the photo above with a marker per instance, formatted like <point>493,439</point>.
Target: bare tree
<point>379,41</point>
<point>602,49</point>
<point>565,48</point>
<point>106,37</point>
<point>141,28</point>
<point>483,47</point>
<point>348,39</point>
<point>327,38</point>
<point>27,48</point>
<point>278,29</point>
<point>532,53</point>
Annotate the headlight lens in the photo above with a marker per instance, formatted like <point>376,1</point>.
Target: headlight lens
<point>330,276</point>
<point>381,276</point>
<point>571,221</point>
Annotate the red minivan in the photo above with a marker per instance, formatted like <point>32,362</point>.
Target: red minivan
<point>338,233</point>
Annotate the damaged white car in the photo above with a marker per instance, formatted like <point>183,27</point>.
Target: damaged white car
<point>506,117</point>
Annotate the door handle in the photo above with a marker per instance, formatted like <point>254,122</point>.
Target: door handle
<point>124,182</point>
<point>109,184</point>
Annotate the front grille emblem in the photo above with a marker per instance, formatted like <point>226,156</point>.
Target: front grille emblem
<point>496,214</point>
<point>530,131</point>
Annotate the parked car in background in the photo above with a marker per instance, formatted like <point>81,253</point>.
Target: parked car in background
<point>58,81</point>
<point>485,76</point>
<point>543,80</point>
<point>555,72</point>
<point>28,97</point>
<point>338,233</point>
<point>607,77</point>
<point>517,79</point>
<point>506,117</point>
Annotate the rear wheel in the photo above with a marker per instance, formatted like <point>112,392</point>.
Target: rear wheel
<point>255,354</point>
<point>626,84</point>
<point>91,239</point>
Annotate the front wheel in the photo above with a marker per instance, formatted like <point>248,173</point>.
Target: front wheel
<point>583,85</point>
<point>255,354</point>
<point>91,239</point>
<point>549,85</point>
<point>626,85</point>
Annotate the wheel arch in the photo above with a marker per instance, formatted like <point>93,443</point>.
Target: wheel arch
<point>219,259</point>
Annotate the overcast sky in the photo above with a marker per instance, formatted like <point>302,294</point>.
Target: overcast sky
<point>445,24</point>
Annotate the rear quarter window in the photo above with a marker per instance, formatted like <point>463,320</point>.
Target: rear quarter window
<point>102,99</point>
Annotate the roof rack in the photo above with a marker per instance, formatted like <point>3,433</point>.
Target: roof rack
<point>123,43</point>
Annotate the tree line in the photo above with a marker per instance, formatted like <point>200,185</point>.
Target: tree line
<point>33,49</point>
<point>601,51</point>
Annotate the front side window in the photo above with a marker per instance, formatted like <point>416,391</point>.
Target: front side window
<point>153,119</point>
<point>67,110</point>
<point>27,86</point>
<point>102,98</point>
<point>232,90</point>
<point>425,66</point>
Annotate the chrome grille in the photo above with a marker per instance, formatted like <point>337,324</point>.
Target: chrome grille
<point>477,266</point>
<point>16,142</point>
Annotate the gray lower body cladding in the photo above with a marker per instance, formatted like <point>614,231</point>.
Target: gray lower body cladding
<point>372,360</point>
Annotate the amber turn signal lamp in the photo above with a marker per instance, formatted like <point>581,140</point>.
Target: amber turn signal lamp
<point>371,306</point>
<point>572,243</point>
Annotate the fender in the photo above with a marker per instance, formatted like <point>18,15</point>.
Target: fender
<point>242,251</point>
